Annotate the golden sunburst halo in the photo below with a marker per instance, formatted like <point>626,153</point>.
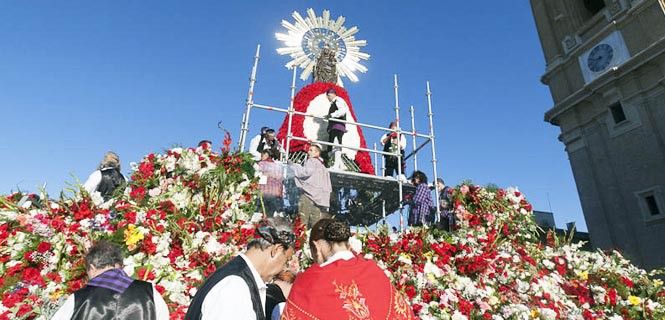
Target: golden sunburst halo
<point>304,39</point>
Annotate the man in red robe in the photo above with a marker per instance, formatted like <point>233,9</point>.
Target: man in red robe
<point>345,286</point>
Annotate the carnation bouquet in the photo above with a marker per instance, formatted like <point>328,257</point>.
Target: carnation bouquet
<point>188,210</point>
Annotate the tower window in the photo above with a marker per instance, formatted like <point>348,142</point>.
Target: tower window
<point>652,205</point>
<point>594,6</point>
<point>617,113</point>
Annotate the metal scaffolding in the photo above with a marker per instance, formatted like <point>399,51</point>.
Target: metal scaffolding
<point>290,112</point>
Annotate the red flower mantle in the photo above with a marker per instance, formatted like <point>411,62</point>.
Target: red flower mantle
<point>300,104</point>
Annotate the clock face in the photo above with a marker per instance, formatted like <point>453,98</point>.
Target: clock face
<point>600,57</point>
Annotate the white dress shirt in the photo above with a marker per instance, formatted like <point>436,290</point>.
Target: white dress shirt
<point>254,145</point>
<point>402,140</point>
<point>66,311</point>
<point>340,255</point>
<point>93,181</point>
<point>231,299</point>
<point>342,108</point>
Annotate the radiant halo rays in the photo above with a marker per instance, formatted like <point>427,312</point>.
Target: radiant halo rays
<point>307,36</point>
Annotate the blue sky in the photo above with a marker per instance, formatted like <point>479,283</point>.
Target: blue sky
<point>78,78</point>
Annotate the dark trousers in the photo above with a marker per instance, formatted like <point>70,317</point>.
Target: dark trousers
<point>391,166</point>
<point>335,135</point>
<point>332,136</point>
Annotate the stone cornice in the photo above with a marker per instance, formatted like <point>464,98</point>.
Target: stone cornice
<point>571,57</point>
<point>610,76</point>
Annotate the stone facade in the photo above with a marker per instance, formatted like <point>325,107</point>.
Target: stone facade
<point>612,121</point>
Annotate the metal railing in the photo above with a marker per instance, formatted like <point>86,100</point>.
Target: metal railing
<point>290,111</point>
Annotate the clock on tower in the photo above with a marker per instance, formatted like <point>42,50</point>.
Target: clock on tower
<point>604,55</point>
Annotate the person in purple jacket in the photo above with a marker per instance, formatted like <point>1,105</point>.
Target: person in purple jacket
<point>421,203</point>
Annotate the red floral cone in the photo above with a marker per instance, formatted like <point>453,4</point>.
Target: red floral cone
<point>312,100</point>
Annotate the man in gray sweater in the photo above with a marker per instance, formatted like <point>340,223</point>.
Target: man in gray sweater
<point>314,181</point>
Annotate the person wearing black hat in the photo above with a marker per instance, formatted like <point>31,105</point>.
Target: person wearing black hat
<point>266,140</point>
<point>338,110</point>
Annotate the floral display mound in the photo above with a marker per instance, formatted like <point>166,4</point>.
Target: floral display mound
<point>186,211</point>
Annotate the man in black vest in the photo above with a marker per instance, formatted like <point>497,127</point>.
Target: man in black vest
<point>389,142</point>
<point>336,130</point>
<point>110,293</point>
<point>237,290</point>
<point>265,141</point>
<point>107,178</point>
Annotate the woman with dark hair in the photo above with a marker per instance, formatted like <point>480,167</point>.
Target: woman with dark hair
<point>342,285</point>
<point>421,203</point>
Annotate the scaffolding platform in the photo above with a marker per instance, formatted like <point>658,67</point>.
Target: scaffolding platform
<point>363,199</point>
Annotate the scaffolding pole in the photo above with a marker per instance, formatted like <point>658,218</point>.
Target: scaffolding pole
<point>376,160</point>
<point>431,135</point>
<point>249,102</point>
<point>399,153</point>
<point>293,95</point>
<point>413,139</point>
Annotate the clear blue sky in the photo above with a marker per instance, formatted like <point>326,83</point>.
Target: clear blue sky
<point>78,78</point>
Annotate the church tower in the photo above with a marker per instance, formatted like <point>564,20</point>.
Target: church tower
<point>605,67</point>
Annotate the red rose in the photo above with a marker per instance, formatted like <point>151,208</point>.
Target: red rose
<point>209,269</point>
<point>24,309</point>
<point>54,276</point>
<point>14,270</point>
<point>58,223</point>
<point>410,292</point>
<point>465,306</point>
<point>144,275</point>
<point>612,296</point>
<point>629,283</point>
<point>148,246</point>
<point>28,256</point>
<point>146,169</point>
<point>83,212</point>
<point>160,289</point>
<point>75,285</point>
<point>32,276</point>
<point>137,193</point>
<point>43,247</point>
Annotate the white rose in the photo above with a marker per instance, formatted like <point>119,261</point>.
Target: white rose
<point>433,269</point>
<point>154,192</point>
<point>459,316</point>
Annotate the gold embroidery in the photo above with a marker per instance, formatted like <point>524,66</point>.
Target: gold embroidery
<point>290,315</point>
<point>401,307</point>
<point>354,301</point>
